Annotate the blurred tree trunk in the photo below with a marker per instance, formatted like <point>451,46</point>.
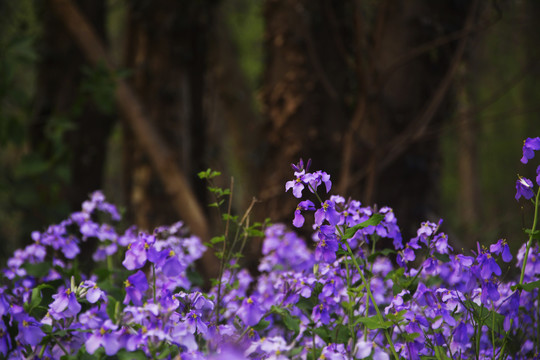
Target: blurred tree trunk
<point>166,50</point>
<point>60,95</point>
<point>468,204</point>
<point>232,113</point>
<point>305,80</point>
<point>359,97</point>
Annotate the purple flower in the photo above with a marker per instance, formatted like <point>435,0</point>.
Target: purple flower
<point>297,185</point>
<point>181,335</point>
<point>524,188</point>
<point>137,252</point>
<point>530,145</point>
<point>440,243</point>
<point>300,165</point>
<point>462,336</point>
<point>70,248</point>
<point>298,218</point>
<point>65,302</point>
<point>318,178</point>
<point>327,212</point>
<point>250,312</point>
<point>104,337</point>
<point>501,247</point>
<point>327,244</point>
<point>334,352</point>
<point>363,349</point>
<point>538,175</point>
<point>320,313</point>
<point>5,340</point>
<point>173,266</point>
<point>513,309</point>
<point>195,323</point>
<point>30,332</point>
<point>92,291</point>
<point>93,318</point>
<point>489,292</point>
<point>135,285</point>
<point>488,266</point>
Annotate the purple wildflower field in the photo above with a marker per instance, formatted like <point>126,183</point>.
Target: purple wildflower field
<point>335,296</point>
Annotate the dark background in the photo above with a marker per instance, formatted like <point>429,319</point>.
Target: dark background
<point>419,105</point>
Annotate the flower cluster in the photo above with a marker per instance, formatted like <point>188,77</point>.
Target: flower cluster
<point>342,296</point>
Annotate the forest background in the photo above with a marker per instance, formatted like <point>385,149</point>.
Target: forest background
<point>419,105</point>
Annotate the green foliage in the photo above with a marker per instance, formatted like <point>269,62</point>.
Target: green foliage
<point>374,220</point>
<point>245,22</point>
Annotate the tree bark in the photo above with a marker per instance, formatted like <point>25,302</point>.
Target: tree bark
<point>161,157</point>
<point>336,85</point>
<point>60,94</point>
<point>166,48</point>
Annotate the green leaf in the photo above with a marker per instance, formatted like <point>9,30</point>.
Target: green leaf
<point>373,323</point>
<point>292,323</point>
<point>217,239</point>
<point>111,308</point>
<point>307,304</point>
<point>37,270</point>
<point>230,217</point>
<point>397,317</point>
<point>409,337</point>
<point>323,333</point>
<point>442,257</point>
<point>47,329</point>
<point>135,355</point>
<point>164,353</point>
<point>528,286</point>
<point>375,219</point>
<point>208,174</point>
<point>342,334</point>
<point>36,298</point>
<point>295,351</point>
<point>535,234</point>
<point>255,233</point>
<point>263,324</point>
<point>277,310</point>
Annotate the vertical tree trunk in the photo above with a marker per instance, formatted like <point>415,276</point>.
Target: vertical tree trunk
<point>305,81</point>
<point>166,50</point>
<point>348,93</point>
<point>468,202</point>
<point>59,94</point>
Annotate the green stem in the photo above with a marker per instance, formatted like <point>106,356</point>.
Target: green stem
<point>110,268</point>
<point>538,322</point>
<point>352,300</point>
<point>42,351</point>
<point>368,289</point>
<point>529,243</point>
<point>493,328</point>
<point>154,280</point>
<point>313,345</point>
<point>223,260</point>
<point>479,330</point>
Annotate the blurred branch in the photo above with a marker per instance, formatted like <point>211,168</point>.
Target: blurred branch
<point>160,155</point>
<point>464,33</point>
<point>417,128</point>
